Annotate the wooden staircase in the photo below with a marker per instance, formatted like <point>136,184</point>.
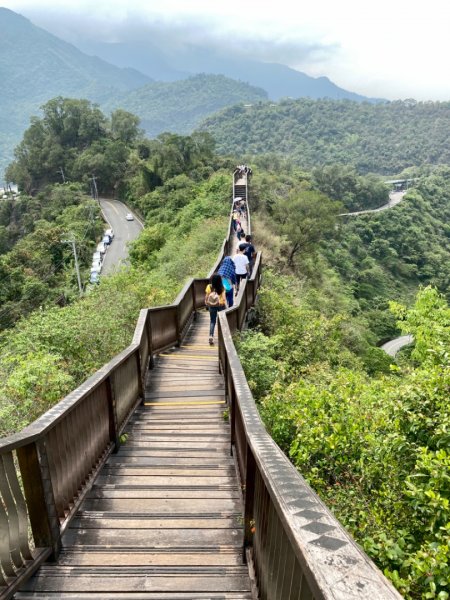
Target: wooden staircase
<point>164,517</point>
<point>240,191</point>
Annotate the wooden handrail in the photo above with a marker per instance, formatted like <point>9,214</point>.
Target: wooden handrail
<point>61,452</point>
<point>293,540</point>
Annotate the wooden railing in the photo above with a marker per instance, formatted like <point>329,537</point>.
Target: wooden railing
<point>47,469</point>
<point>298,549</point>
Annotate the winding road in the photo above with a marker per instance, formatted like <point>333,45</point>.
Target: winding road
<point>124,233</point>
<point>393,346</point>
<point>394,199</point>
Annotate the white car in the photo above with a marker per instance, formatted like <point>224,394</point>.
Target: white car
<point>95,277</point>
<point>129,217</point>
<point>96,267</point>
<point>97,257</point>
<point>101,247</point>
<point>110,233</point>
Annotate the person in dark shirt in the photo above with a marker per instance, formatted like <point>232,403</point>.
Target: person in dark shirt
<point>249,251</point>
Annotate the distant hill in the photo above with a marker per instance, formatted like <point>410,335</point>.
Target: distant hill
<point>180,106</point>
<point>384,138</point>
<point>144,56</point>
<point>162,63</point>
<point>36,66</point>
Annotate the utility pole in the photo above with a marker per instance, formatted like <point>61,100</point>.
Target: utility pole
<point>61,170</point>
<point>77,268</point>
<point>94,187</point>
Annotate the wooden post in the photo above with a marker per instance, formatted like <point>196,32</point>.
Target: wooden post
<point>113,424</point>
<point>148,325</point>
<point>249,501</point>
<point>37,484</point>
<point>139,373</point>
<point>178,325</point>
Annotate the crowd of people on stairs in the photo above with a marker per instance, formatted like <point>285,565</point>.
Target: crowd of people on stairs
<point>224,284</point>
<point>242,170</point>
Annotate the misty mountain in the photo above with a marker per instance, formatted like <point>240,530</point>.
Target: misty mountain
<point>180,106</point>
<point>142,55</point>
<point>166,63</point>
<point>36,66</point>
<point>33,61</point>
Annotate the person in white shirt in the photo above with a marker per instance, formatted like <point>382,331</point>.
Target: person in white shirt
<point>242,265</point>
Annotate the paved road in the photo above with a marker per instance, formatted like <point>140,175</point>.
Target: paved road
<point>124,232</point>
<point>394,198</point>
<point>397,344</point>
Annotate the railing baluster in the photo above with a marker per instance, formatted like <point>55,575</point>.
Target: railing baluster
<point>39,495</point>
<point>12,517</point>
<point>55,471</point>
<point>249,499</point>
<point>9,530</point>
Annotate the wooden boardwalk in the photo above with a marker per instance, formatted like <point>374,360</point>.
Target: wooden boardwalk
<point>164,517</point>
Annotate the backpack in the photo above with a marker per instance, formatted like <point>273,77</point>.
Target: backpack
<point>213,299</point>
<point>227,284</point>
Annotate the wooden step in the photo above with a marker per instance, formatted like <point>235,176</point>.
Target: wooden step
<point>163,519</point>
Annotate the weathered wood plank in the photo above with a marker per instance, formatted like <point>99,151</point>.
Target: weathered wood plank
<point>143,557</point>
<point>71,582</point>
<point>167,481</point>
<point>132,596</point>
<point>161,506</point>
<point>149,523</point>
<point>223,493</point>
<point>183,471</point>
<point>161,461</point>
<point>153,538</point>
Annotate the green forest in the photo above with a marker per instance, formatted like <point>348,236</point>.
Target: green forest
<point>368,432</point>
<point>40,312</point>
<point>180,106</point>
<point>381,138</point>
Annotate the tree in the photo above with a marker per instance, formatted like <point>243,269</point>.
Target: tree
<point>124,126</point>
<point>305,217</point>
<point>67,127</point>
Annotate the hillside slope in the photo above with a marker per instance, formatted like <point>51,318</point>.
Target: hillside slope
<point>36,66</point>
<point>384,138</point>
<point>180,106</point>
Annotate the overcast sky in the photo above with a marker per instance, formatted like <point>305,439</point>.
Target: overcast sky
<point>388,48</point>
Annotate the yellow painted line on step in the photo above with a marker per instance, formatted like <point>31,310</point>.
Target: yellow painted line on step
<point>202,346</point>
<point>174,404</point>
<point>188,356</point>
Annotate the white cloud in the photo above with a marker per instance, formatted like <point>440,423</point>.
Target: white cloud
<point>391,48</point>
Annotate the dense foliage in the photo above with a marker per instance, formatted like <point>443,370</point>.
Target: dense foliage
<point>53,350</point>
<point>374,447</point>
<point>36,258</point>
<point>368,433</point>
<point>381,138</point>
<point>74,141</point>
<point>174,181</point>
<point>375,257</point>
